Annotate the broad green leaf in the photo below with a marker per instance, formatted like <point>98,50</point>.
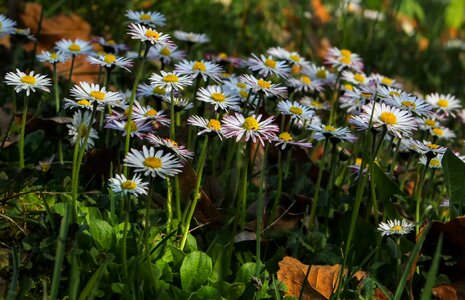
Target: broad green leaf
<point>455,13</point>
<point>195,270</point>
<point>245,273</point>
<point>205,292</point>
<point>454,173</point>
<point>230,291</point>
<point>102,233</point>
<point>431,277</point>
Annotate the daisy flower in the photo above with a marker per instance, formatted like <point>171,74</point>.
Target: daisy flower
<point>179,150</point>
<point>322,132</point>
<point>121,185</point>
<point>385,92</point>
<point>305,84</point>
<point>147,18</point>
<point>180,104</point>
<point>391,227</point>
<point>53,57</point>
<point>197,68</point>
<point>80,103</point>
<point>82,126</point>
<point>383,80</point>
<point>343,59</point>
<point>251,127</point>
<point>285,139</point>
<point>208,126</point>
<point>434,163</point>
<point>314,104</point>
<point>295,110</point>
<point>138,128</point>
<point>7,26</point>
<point>153,163</point>
<point>148,113</point>
<point>268,88</point>
<point>109,61</point>
<point>354,78</point>
<point>396,121</point>
<point>93,92</point>
<point>166,53</point>
<point>110,46</point>
<point>319,73</point>
<point>266,66</point>
<point>76,47</point>
<point>28,82</point>
<point>447,104</point>
<point>214,94</point>
<point>149,35</point>
<point>424,147</point>
<point>147,90</point>
<point>24,35</point>
<point>191,37</point>
<point>430,122</point>
<point>409,103</point>
<point>170,81</point>
<point>442,133</point>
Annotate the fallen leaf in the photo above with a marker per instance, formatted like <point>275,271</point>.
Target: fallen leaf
<point>452,291</point>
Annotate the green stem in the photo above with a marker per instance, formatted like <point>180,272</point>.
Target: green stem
<point>169,205</point>
<point>56,88</point>
<point>393,163</point>
<point>173,121</point>
<point>23,128</point>
<point>318,183</point>
<point>417,193</point>
<point>140,67</point>
<point>243,195</point>
<point>72,67</point>
<point>125,237</point>
<point>197,194</point>
<point>277,198</point>
<point>260,216</point>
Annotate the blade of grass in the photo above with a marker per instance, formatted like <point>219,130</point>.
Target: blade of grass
<point>431,277</point>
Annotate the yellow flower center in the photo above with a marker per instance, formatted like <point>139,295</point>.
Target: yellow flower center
<point>296,110</point>
<point>330,128</point>
<point>83,130</point>
<point>394,93</point>
<point>435,163</point>
<point>443,103</point>
<point>438,131</point>
<point>150,113</point>
<point>264,84</point>
<point>165,51</point>
<point>387,81</point>
<point>129,185</point>
<point>321,73</point>
<point>294,57</point>
<point>109,58</point>
<point>132,125</point>
<point>306,80</point>
<point>199,66</point>
<point>349,87</point>
<point>74,48</point>
<point>270,63</point>
<point>396,228</point>
<point>244,94</point>
<point>241,85</point>
<point>358,161</point>
<point>53,56</point>
<point>346,53</point>
<point>317,104</point>
<point>295,69</point>
<point>98,95</point>
<point>29,79</point>
<point>145,17</point>
<point>44,166</point>
<point>251,123</point>
<point>152,34</point>
<point>214,124</point>
<point>345,60</point>
<point>409,104</point>
<point>175,145</point>
<point>432,146</point>
<point>159,90</point>
<point>222,56</point>
<point>170,78</point>
<point>218,97</point>
<point>153,162</point>
<point>430,122</point>
<point>365,95</point>
<point>388,118</point>
<point>84,102</point>
<point>285,136</point>
<point>359,77</point>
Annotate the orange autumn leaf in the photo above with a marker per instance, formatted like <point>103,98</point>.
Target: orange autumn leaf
<point>320,11</point>
<point>321,282</point>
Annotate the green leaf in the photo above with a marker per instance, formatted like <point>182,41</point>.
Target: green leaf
<point>195,270</point>
<point>384,185</point>
<point>221,265</point>
<point>454,170</point>
<point>431,277</point>
<point>205,292</point>
<point>102,233</point>
<point>245,273</point>
<point>455,13</point>
<point>230,291</point>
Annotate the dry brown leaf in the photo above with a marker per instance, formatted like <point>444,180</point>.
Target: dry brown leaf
<point>320,11</point>
<point>445,292</point>
<point>53,29</point>
<point>322,279</point>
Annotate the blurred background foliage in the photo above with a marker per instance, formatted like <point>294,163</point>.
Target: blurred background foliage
<point>419,42</point>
